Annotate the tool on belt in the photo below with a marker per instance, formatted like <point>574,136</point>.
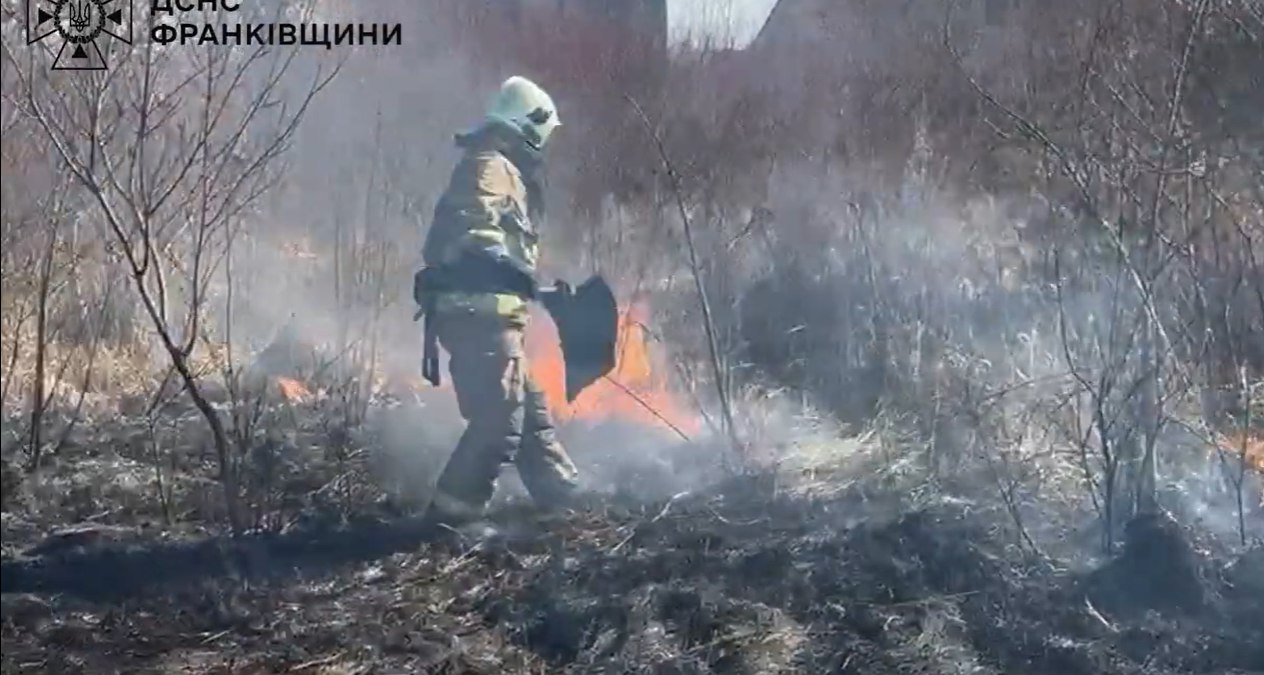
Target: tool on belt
<point>426,284</point>
<point>489,270</point>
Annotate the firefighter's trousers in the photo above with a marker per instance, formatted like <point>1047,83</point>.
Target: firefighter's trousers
<point>507,415</point>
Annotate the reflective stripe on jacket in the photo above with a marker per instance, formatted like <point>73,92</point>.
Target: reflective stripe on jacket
<point>485,203</point>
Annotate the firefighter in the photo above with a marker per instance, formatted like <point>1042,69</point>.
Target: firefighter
<point>480,255</point>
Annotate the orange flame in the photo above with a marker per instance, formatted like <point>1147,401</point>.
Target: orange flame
<point>636,390</point>
<point>1252,445</point>
<point>291,389</point>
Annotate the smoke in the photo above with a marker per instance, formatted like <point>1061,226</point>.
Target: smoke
<point>1198,483</point>
<point>411,443</point>
<point>868,290</point>
<point>975,320</point>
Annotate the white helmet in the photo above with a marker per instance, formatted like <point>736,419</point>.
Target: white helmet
<point>522,104</point>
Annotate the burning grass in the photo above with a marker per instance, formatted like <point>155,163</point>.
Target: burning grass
<point>639,390</point>
<point>1245,445</point>
<point>828,565</point>
<point>291,389</point>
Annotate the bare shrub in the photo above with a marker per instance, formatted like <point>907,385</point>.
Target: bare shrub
<point>175,152</point>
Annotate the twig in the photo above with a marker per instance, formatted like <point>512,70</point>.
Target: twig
<point>624,541</point>
<point>645,404</point>
<point>215,636</point>
<point>667,507</point>
<point>694,266</point>
<point>1093,612</point>
<point>317,662</point>
<point>661,514</point>
<point>922,601</point>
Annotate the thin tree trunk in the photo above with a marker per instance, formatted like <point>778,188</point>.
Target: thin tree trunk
<point>35,439</point>
<point>708,323</point>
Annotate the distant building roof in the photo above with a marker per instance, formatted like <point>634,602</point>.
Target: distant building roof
<point>794,21</point>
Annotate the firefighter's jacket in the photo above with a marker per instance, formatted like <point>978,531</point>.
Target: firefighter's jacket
<point>485,204</point>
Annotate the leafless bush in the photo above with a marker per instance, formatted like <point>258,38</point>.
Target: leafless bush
<point>1089,274</point>
<point>171,149</point>
<point>1030,236</point>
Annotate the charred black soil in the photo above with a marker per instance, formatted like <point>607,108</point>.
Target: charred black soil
<point>736,580</point>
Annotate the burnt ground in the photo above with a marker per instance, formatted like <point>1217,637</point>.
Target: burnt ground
<point>735,580</point>
<point>115,561</point>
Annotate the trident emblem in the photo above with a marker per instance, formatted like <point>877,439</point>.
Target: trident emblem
<point>80,15</point>
<point>83,25</point>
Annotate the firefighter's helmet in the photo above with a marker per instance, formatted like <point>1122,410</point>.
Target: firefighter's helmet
<point>525,106</point>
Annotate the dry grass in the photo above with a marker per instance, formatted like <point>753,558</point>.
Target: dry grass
<point>877,239</point>
<point>740,578</point>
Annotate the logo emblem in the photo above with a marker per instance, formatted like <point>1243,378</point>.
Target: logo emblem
<point>81,25</point>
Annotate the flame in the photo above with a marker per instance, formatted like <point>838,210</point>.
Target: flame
<point>1236,443</point>
<point>292,390</point>
<point>635,391</point>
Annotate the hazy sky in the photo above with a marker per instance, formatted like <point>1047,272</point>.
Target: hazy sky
<point>738,19</point>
